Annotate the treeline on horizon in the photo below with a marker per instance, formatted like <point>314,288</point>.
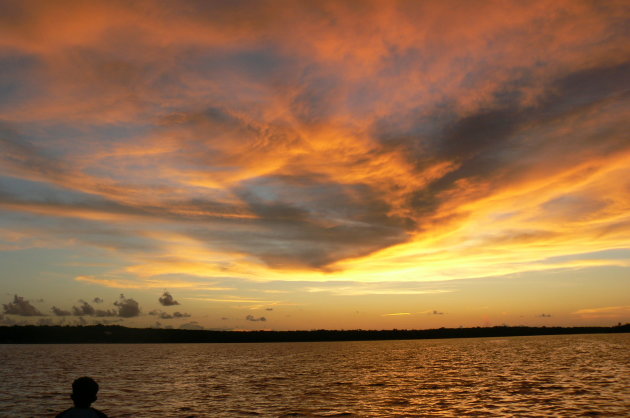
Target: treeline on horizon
<point>105,334</point>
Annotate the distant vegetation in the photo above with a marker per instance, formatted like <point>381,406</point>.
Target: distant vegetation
<point>31,334</point>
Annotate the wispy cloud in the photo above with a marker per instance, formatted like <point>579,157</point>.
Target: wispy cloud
<point>378,288</point>
<point>429,312</point>
<point>232,299</point>
<point>144,283</point>
<point>604,312</point>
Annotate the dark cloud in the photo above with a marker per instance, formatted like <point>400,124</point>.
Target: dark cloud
<point>85,309</point>
<point>545,315</point>
<point>493,145</point>
<point>127,308</point>
<point>97,300</point>
<point>167,300</point>
<point>254,319</point>
<point>335,222</point>
<point>21,306</point>
<point>434,312</point>
<point>579,90</point>
<point>269,309</point>
<point>473,135</point>
<point>60,312</point>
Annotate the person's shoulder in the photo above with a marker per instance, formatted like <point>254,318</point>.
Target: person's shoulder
<point>63,414</point>
<point>100,413</point>
<point>83,412</point>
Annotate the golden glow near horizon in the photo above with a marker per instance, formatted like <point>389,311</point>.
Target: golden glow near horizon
<point>361,163</point>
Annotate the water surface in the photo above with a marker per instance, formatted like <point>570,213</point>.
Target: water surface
<point>570,375</point>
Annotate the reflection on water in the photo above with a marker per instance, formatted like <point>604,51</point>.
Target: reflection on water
<point>579,375</point>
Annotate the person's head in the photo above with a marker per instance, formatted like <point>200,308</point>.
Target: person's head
<point>84,391</point>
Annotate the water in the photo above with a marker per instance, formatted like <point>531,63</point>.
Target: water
<point>579,375</point>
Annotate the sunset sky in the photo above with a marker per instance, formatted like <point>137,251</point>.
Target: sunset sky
<point>314,164</point>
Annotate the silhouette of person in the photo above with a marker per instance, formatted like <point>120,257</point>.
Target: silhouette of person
<point>84,391</point>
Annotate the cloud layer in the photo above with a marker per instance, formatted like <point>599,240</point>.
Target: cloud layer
<point>125,308</point>
<point>371,141</point>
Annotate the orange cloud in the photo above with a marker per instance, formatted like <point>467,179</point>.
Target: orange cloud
<point>604,312</point>
<point>370,141</point>
<point>119,283</point>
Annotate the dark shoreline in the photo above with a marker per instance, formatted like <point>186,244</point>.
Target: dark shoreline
<point>116,334</point>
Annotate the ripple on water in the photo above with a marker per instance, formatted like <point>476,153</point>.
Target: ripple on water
<point>583,375</point>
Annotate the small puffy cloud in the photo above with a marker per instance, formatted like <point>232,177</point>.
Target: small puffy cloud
<point>544,315</point>
<point>269,309</point>
<point>21,306</point>
<point>166,315</point>
<point>254,319</point>
<point>432,312</point>
<point>60,312</point>
<point>84,309</point>
<point>127,308</point>
<point>97,300</point>
<point>167,300</point>
<point>194,325</point>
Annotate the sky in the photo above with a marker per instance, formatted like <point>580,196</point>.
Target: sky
<point>315,164</point>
